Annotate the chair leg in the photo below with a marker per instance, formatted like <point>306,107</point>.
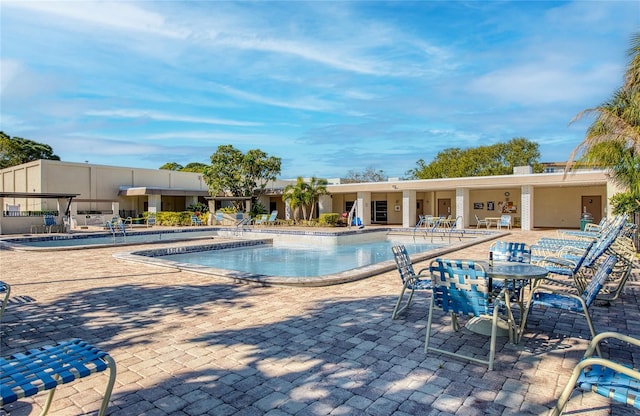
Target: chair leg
<point>47,404</point>
<point>428,336</point>
<point>398,310</point>
<point>112,380</point>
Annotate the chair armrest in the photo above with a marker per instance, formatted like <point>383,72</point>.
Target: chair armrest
<point>557,262</point>
<point>604,335</point>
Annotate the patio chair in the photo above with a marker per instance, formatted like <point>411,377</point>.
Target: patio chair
<point>606,377</point>
<point>273,218</point>
<point>480,222</point>
<point>195,220</point>
<point>50,224</point>
<point>461,287</point>
<point>544,296</point>
<point>510,251</point>
<point>505,221</point>
<point>5,291</point>
<point>44,369</point>
<point>261,219</point>
<point>410,280</point>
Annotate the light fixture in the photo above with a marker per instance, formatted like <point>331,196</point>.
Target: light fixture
<point>507,194</point>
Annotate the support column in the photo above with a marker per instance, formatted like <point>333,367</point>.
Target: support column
<point>155,201</point>
<point>325,204</point>
<point>364,206</point>
<point>526,204</point>
<point>408,209</point>
<point>115,207</point>
<point>462,207</point>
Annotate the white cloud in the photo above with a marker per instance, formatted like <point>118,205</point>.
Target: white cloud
<point>118,15</point>
<point>160,116</point>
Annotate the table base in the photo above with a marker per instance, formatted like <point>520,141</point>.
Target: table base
<point>482,325</point>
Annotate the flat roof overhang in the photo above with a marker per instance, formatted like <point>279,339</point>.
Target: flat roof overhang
<point>229,198</point>
<point>591,178</point>
<point>44,195</point>
<point>146,190</point>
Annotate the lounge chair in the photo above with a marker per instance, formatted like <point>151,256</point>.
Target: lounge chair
<point>606,377</point>
<point>576,301</point>
<point>410,280</point>
<point>47,367</point>
<point>461,287</point>
<point>273,218</point>
<point>260,219</point>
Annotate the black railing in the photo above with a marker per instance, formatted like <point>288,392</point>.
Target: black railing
<point>55,213</point>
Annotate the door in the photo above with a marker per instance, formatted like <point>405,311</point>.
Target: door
<point>379,212</point>
<point>419,210</point>
<point>444,207</point>
<point>592,205</point>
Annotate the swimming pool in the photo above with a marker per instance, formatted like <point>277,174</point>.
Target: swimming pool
<point>305,263</point>
<point>97,240</point>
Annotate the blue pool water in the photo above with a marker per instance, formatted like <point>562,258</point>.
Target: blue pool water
<point>297,260</point>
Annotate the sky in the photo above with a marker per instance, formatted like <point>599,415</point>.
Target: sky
<point>330,87</point>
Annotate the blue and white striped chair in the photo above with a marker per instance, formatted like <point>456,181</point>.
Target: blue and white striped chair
<point>461,287</point>
<point>44,369</point>
<point>410,280</point>
<point>606,377</point>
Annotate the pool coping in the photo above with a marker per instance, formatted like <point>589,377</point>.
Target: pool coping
<point>146,257</point>
<point>13,243</point>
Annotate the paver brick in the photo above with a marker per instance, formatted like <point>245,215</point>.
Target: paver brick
<point>188,344</point>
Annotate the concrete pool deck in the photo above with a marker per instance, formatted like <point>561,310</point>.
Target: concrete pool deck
<point>188,344</point>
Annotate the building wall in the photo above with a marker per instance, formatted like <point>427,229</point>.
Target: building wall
<point>561,207</point>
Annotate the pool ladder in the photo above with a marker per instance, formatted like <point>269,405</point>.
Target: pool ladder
<point>114,231</point>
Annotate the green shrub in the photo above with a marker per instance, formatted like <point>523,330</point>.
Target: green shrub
<point>329,219</point>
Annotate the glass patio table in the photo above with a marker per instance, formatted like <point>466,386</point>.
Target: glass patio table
<point>512,273</point>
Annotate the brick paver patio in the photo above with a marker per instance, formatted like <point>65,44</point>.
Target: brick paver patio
<point>188,344</point>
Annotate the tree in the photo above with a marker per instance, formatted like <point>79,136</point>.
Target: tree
<point>296,196</point>
<point>171,166</point>
<point>613,139</point>
<point>234,173</point>
<point>497,159</point>
<point>370,174</point>
<point>304,195</point>
<point>317,187</point>
<point>16,151</point>
<point>194,167</point>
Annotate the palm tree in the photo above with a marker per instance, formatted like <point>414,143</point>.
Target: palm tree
<point>617,126</point>
<point>317,187</point>
<point>297,196</point>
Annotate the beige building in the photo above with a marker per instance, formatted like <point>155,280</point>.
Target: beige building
<point>87,193</point>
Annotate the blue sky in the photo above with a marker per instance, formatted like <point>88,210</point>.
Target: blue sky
<point>329,87</point>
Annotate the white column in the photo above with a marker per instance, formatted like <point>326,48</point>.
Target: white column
<point>408,208</point>
<point>526,210</point>
<point>155,201</point>
<point>325,204</point>
<point>364,206</point>
<point>462,207</point>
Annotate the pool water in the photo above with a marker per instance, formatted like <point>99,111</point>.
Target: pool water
<point>298,260</point>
